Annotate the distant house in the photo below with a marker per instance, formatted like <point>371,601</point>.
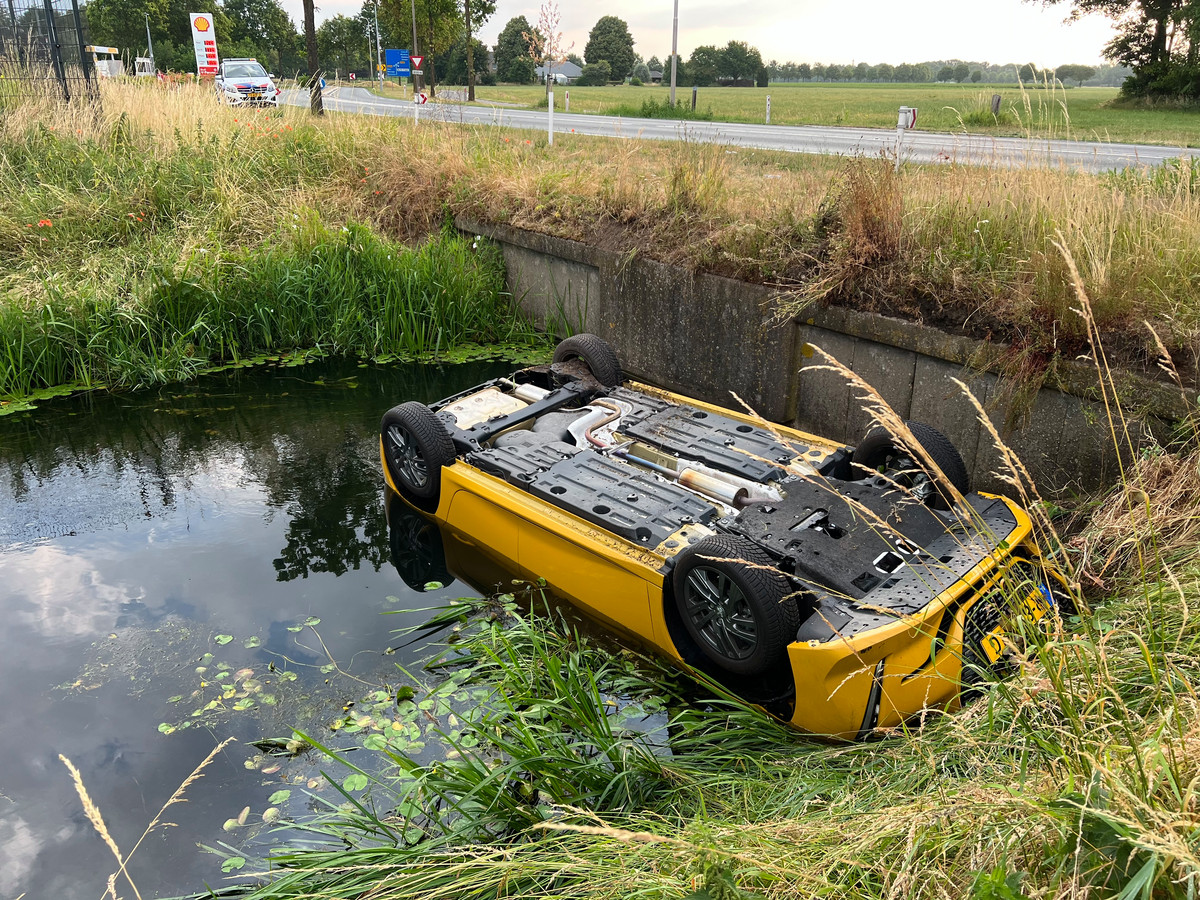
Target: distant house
<point>656,77</point>
<point>563,72</point>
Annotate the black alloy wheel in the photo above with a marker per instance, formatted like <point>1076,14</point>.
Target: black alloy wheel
<point>416,445</point>
<point>735,604</point>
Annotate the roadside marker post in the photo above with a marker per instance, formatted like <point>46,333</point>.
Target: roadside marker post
<point>550,126</point>
<point>768,109</point>
<point>568,93</point>
<point>906,120</point>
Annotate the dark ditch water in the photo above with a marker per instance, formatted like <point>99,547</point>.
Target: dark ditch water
<point>165,557</point>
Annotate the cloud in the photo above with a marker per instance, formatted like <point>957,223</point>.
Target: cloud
<point>19,848</point>
<point>60,595</point>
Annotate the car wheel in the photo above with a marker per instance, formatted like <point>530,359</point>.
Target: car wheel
<point>735,604</point>
<point>600,358</point>
<point>417,550</point>
<point>416,445</point>
<point>879,451</point>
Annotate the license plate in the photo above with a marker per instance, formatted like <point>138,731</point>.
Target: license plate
<point>1036,605</point>
<point>255,96</point>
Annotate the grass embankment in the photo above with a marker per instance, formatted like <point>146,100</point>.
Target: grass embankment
<point>162,176</point>
<point>1039,111</point>
<point>158,242</point>
<point>1075,779</point>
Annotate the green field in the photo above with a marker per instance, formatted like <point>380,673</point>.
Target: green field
<point>1072,113</point>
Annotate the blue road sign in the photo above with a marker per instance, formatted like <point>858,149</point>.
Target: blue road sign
<point>397,63</point>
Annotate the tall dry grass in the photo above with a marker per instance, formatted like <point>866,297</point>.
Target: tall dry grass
<point>971,249</point>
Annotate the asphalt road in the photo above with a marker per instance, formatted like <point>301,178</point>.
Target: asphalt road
<point>916,146</point>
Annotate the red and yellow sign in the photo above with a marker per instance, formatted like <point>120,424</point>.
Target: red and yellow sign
<point>205,44</point>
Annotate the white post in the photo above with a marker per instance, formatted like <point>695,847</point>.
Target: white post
<point>416,106</point>
<point>901,125</point>
<point>550,96</point>
<point>568,109</point>
<point>674,49</point>
<point>768,109</point>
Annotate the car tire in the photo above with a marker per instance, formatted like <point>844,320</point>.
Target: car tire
<point>880,451</point>
<point>416,446</point>
<point>735,604</point>
<point>596,352</point>
<point>418,554</point>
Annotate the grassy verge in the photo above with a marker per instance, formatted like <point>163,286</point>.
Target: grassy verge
<point>163,176</point>
<point>135,257</point>
<point>1065,113</point>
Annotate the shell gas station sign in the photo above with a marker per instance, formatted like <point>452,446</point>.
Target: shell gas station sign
<point>204,40</point>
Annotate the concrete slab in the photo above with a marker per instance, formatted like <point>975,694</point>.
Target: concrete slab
<point>823,397</point>
<point>560,294</point>
<point>890,371</point>
<point>938,401</point>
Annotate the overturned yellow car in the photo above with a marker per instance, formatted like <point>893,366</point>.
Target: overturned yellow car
<point>843,589</point>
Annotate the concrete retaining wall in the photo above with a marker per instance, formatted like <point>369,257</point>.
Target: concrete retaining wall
<point>708,336</point>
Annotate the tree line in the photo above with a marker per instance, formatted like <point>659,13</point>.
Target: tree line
<point>1154,52</point>
<point>948,71</point>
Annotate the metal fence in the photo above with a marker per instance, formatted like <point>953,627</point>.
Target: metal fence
<point>42,51</point>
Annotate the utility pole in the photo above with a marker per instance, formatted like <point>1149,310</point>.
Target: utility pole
<point>674,49</point>
<point>150,44</point>
<point>378,47</point>
<point>470,54</point>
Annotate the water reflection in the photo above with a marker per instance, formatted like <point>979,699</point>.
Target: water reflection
<point>139,533</point>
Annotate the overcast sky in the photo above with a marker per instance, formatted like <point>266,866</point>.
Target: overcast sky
<point>825,31</point>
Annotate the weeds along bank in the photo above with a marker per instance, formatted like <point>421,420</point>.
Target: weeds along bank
<point>158,241</point>
<point>167,185</point>
<point>1075,779</point>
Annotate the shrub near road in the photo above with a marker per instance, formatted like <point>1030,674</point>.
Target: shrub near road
<point>170,185</point>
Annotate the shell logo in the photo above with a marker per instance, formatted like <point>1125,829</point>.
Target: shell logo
<point>201,23</point>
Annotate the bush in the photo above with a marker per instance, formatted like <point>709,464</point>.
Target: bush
<point>653,109</point>
<point>1164,80</point>
<point>635,81</point>
<point>595,74</point>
